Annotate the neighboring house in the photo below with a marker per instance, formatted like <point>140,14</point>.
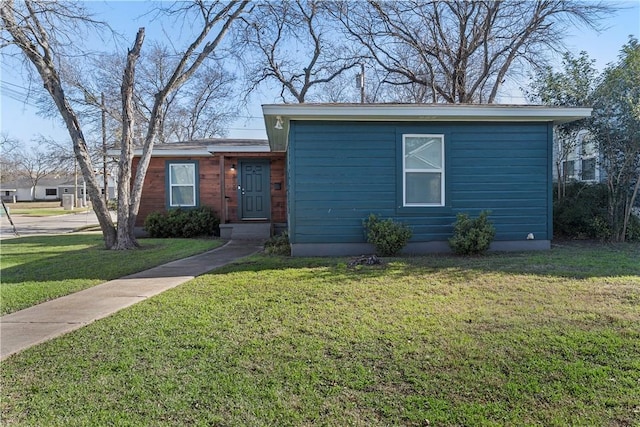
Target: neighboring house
<point>51,189</point>
<point>326,167</point>
<point>582,162</point>
<point>24,191</point>
<point>418,164</point>
<point>242,180</point>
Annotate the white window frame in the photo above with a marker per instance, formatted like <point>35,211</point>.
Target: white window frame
<point>406,170</point>
<point>172,185</point>
<point>595,169</point>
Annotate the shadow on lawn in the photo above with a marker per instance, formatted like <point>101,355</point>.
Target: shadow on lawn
<point>92,261</point>
<point>577,260</point>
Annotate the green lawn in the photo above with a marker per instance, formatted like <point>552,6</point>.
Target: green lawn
<point>37,269</point>
<point>549,339</point>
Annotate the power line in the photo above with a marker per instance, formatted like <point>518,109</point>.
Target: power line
<point>4,82</point>
<point>18,96</point>
<point>17,93</point>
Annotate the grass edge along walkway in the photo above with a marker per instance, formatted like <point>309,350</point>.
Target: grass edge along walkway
<point>35,269</point>
<point>34,325</point>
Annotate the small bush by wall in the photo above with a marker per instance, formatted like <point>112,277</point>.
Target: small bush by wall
<point>278,245</point>
<point>182,223</point>
<point>388,236</point>
<point>472,236</point>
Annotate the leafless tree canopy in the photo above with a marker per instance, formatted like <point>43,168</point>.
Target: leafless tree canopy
<point>45,33</point>
<point>294,44</point>
<point>460,52</point>
<point>201,108</point>
<point>43,159</point>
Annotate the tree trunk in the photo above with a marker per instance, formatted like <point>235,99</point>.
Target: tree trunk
<point>629,207</point>
<point>126,238</point>
<point>559,169</point>
<point>43,62</point>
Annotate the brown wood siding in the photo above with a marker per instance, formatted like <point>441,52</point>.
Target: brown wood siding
<point>154,197</point>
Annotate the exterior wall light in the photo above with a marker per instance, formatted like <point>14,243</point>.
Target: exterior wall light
<point>233,166</point>
<point>278,124</point>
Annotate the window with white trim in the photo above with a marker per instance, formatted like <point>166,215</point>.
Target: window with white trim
<point>589,169</point>
<point>569,169</point>
<point>423,170</point>
<point>182,184</point>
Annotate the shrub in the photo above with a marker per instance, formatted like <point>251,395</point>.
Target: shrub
<point>184,223</point>
<point>472,236</point>
<point>633,229</point>
<point>278,245</point>
<point>388,236</point>
<point>599,228</point>
<point>582,212</point>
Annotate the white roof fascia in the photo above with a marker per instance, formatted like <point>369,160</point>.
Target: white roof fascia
<point>166,153</point>
<point>205,152</point>
<point>238,149</point>
<point>176,153</point>
<point>283,114</point>
<point>411,112</point>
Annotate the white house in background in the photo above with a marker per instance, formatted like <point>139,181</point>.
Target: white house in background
<point>582,162</point>
<point>48,189</point>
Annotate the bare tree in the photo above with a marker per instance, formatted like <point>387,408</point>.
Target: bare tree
<point>8,146</point>
<point>293,45</point>
<point>37,29</point>
<point>199,109</point>
<point>460,51</point>
<point>44,32</point>
<point>37,161</point>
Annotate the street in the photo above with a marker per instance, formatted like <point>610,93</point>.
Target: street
<point>61,224</point>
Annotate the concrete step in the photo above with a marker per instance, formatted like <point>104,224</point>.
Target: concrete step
<point>246,231</point>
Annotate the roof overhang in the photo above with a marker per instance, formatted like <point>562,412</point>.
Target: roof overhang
<point>277,117</point>
<point>238,149</point>
<point>204,148</point>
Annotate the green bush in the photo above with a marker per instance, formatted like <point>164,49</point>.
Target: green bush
<point>278,245</point>
<point>388,236</point>
<point>633,229</point>
<point>582,212</point>
<point>182,223</point>
<point>472,236</point>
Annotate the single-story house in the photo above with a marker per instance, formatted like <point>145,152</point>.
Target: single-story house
<point>326,167</point>
<point>418,164</point>
<point>242,180</point>
<point>23,190</point>
<point>48,189</point>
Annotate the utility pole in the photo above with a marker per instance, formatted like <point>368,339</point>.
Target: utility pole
<point>76,199</point>
<point>105,180</point>
<point>360,83</point>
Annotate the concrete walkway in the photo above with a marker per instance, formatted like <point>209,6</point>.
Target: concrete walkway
<point>40,323</point>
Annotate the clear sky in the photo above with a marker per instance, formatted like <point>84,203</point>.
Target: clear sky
<point>18,118</point>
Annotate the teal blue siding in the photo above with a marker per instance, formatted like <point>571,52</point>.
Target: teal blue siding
<point>340,172</point>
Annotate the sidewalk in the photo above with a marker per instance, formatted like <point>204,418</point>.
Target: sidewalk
<point>40,323</point>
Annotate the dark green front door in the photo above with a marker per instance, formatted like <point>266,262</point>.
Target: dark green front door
<point>254,189</point>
